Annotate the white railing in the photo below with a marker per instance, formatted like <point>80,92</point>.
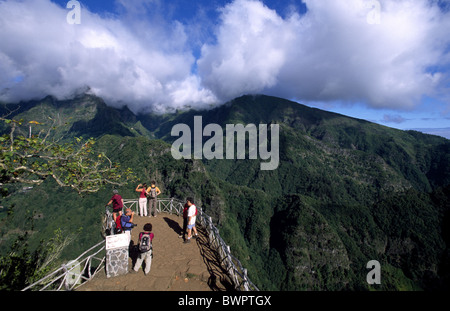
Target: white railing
<point>168,205</point>
<point>70,275</point>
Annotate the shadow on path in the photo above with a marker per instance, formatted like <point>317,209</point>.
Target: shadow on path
<point>175,226</point>
<point>218,280</point>
<point>175,266</point>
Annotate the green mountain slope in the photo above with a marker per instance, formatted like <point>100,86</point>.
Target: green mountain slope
<point>345,172</point>
<point>346,191</point>
<point>84,115</point>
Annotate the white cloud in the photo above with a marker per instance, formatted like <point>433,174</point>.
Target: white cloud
<point>138,64</point>
<point>332,53</point>
<point>250,51</point>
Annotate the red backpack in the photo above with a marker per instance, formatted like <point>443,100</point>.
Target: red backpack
<point>118,228</point>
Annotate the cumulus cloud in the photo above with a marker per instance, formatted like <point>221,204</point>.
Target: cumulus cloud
<point>384,53</point>
<point>250,52</point>
<point>337,51</point>
<point>140,64</point>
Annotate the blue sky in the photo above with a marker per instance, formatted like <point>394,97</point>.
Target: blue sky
<point>386,61</point>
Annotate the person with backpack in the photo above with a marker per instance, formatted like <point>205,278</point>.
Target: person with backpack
<point>153,193</point>
<point>145,249</point>
<point>192,217</point>
<point>142,189</point>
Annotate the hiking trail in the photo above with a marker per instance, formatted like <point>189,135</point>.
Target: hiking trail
<point>176,266</point>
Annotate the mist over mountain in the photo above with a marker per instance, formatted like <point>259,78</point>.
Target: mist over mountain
<point>141,53</point>
<point>346,191</point>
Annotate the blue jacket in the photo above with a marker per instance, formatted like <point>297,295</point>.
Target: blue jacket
<point>125,222</point>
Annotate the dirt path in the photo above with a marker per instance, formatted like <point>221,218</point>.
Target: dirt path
<point>176,266</point>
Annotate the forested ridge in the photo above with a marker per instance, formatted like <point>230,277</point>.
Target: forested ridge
<point>346,191</point>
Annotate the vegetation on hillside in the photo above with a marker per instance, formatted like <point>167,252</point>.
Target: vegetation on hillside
<point>346,172</point>
<point>346,191</point>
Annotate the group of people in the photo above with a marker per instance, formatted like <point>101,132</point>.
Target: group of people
<point>148,195</point>
<point>124,221</point>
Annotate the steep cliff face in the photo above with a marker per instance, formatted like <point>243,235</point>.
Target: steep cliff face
<point>313,252</point>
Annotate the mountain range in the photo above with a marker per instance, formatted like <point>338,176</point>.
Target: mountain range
<point>346,191</point>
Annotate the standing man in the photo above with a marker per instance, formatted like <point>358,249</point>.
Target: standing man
<point>153,193</point>
<point>192,217</point>
<point>185,221</point>
<point>117,203</point>
<point>127,222</point>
